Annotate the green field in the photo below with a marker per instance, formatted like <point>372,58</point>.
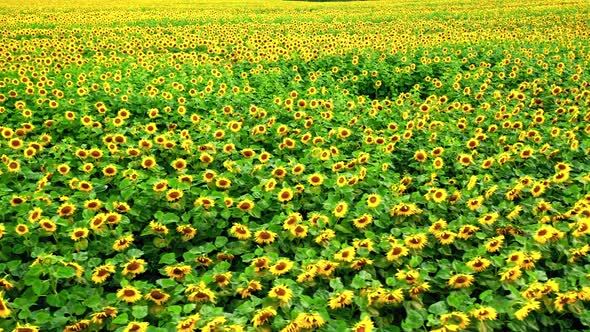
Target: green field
<point>294,166</point>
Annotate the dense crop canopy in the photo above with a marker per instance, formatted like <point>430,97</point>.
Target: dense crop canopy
<point>294,166</point>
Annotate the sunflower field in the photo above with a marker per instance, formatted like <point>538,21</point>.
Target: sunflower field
<point>294,166</point>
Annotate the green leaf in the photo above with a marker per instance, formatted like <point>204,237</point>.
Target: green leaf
<point>358,282</point>
<point>139,311</point>
<point>121,319</point>
<point>40,287</point>
<point>458,299</point>
<point>168,259</point>
<point>414,320</point>
<point>166,283</point>
<point>175,310</point>
<point>438,308</point>
<point>65,272</point>
<point>57,300</point>
<point>336,284</point>
<point>220,241</point>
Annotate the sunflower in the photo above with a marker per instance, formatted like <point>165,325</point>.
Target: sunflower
<point>188,324</point>
<point>35,215</point>
<point>160,186</point>
<point>364,325</point>
<point>174,195</point>
<point>205,202</point>
<point>373,200</point>
<point>494,243</point>
<point>245,205</point>
<point>420,156</point>
<point>242,232</point>
<point>439,195</point>
<point>281,267</point>
<point>489,218</point>
<point>17,200</point>
<point>465,159</point>
<point>263,315</point>
<point>281,292</point>
<point>134,267</point>
<point>187,231</point>
<point>299,231</point>
<point>79,233</point>
<point>136,327</point>
<point>5,284</point>
<point>222,279</point>
<point>285,195</point>
<point>26,328</point>
<point>109,170</point>
<point>315,179</point>
<point>200,293</point>
<point>129,294</point>
<point>396,252</point>
<point>148,162</point>
<point>346,254</point>
<point>511,274</point>
<point>416,241</point>
<point>260,263</point>
<point>478,264</point>
<point>93,204</point>
<point>538,189</point>
<point>265,237</point>
<point>21,229</point>
<point>455,318</point>
<point>223,183</point>
<point>404,209</point>
<point>66,210</point>
<point>475,203</point>
<point>157,296</point>
<point>63,169</point>
<point>363,221</point>
<point>102,273</point>
<point>5,312</point>
<point>179,164</point>
<point>206,158</point>
<point>461,280</point>
<point>177,272</point>
<point>340,210</point>
<point>341,300</point>
<point>123,243</point>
